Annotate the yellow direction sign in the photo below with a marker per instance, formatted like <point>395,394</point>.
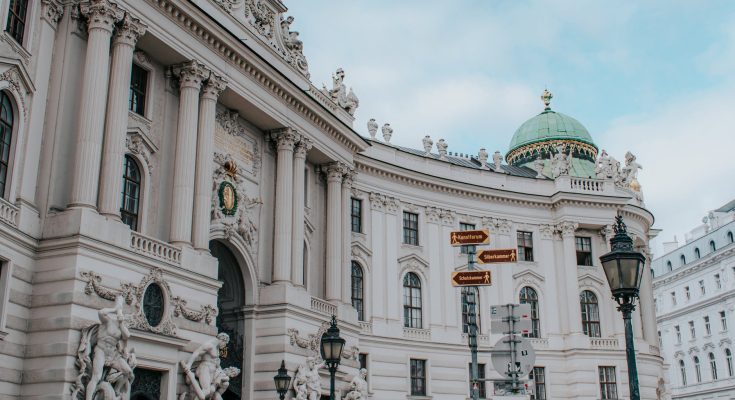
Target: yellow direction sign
<point>497,256</point>
<point>471,278</point>
<point>465,238</point>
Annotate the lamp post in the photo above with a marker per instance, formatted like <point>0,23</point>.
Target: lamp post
<point>624,269</point>
<point>282,380</point>
<point>331,350</point>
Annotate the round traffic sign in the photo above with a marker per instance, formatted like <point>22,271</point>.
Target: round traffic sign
<point>524,356</point>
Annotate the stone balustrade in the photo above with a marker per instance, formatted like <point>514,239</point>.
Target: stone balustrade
<point>587,184</point>
<point>604,343</point>
<point>366,327</point>
<point>417,333</point>
<point>539,343</point>
<point>323,307</point>
<point>8,213</point>
<point>155,248</point>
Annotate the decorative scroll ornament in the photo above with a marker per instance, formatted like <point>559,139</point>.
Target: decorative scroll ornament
<point>311,342</point>
<point>341,97</point>
<point>136,145</point>
<point>14,78</point>
<point>135,295</point>
<point>231,207</point>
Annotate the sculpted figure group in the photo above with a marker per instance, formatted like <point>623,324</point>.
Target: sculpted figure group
<point>561,163</point>
<point>339,95</point>
<point>607,167</point>
<point>209,380</point>
<point>307,383</point>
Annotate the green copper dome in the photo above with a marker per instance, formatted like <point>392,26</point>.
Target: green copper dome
<point>549,133</point>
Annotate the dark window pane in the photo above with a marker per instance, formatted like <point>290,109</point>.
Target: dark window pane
<point>538,375</point>
<point>529,296</point>
<point>525,246</point>
<point>590,314</point>
<point>130,193</point>
<point>356,215</point>
<point>357,291</point>
<point>584,250</point>
<point>410,228</point>
<point>138,87</point>
<point>17,19</point>
<point>412,301</point>
<point>6,136</point>
<point>608,386</point>
<point>418,377</point>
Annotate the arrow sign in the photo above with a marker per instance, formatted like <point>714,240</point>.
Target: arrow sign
<point>471,278</point>
<point>464,238</point>
<point>497,256</point>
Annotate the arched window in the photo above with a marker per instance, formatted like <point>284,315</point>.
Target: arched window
<point>590,313</point>
<point>683,260</point>
<point>6,135</point>
<point>728,359</point>
<point>466,308</point>
<point>358,291</point>
<point>697,369</point>
<point>668,266</point>
<point>697,254</point>
<point>712,246</point>
<point>412,301</point>
<point>130,193</point>
<point>713,366</point>
<point>683,371</point>
<point>529,296</point>
<point>729,237</point>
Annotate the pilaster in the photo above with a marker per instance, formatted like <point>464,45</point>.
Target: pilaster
<point>335,173</point>
<point>285,140</point>
<point>297,235</point>
<point>570,276</point>
<point>347,181</point>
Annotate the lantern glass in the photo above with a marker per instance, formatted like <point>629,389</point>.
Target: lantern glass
<point>612,272</point>
<point>282,379</point>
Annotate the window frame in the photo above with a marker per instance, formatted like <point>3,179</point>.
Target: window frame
<point>539,390</point>
<point>413,366</point>
<point>692,330</point>
<point>137,215</point>
<point>730,237</point>
<point>356,215</point>
<point>532,298</point>
<point>677,330</point>
<point>580,242</point>
<point>6,267</point>
<point>728,361</point>
<point>718,281</point>
<point>683,372</point>
<point>712,246</point>
<point>608,388</point>
<point>723,321</point>
<point>412,312</point>
<point>702,288</point>
<point>707,326</point>
<point>524,240</point>
<point>588,309</point>
<point>410,233</point>
<point>697,369</point>
<point>12,15</point>
<point>712,365</point>
<point>682,260</point>
<point>481,383</point>
<point>8,129</point>
<point>358,302</point>
<point>145,92</point>
<point>697,253</point>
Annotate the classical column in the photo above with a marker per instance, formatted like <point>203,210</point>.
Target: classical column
<point>205,153</point>
<point>101,15</point>
<point>297,233</point>
<point>285,140</point>
<point>570,276</point>
<point>335,173</point>
<point>116,125</point>
<point>191,75</point>
<point>347,181</point>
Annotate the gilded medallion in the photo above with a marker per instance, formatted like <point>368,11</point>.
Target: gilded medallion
<point>227,198</point>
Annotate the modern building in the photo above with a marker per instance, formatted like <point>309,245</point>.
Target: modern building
<point>694,289</point>
<point>176,153</point>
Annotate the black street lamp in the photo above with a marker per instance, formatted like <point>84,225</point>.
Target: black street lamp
<point>282,380</point>
<point>624,269</point>
<point>331,349</point>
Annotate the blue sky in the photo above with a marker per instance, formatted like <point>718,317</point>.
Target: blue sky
<point>654,77</point>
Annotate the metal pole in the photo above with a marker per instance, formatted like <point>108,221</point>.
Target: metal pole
<point>332,371</point>
<point>627,308</point>
<point>514,369</point>
<point>472,327</point>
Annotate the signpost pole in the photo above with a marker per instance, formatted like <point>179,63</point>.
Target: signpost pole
<point>472,324</point>
<point>513,366</point>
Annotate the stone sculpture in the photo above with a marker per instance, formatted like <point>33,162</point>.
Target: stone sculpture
<point>482,156</point>
<point>299,383</point>
<point>630,172</point>
<point>372,128</point>
<point>441,147</point>
<point>497,160</point>
<point>560,163</point>
<point>313,381</point>
<point>104,360</point>
<point>428,144</point>
<point>339,95</point>
<point>290,38</point>
<point>387,132</point>
<point>209,381</point>
<point>538,166</point>
<point>358,388</point>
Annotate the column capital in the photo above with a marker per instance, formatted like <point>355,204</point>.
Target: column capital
<point>546,231</point>
<point>335,171</point>
<point>349,177</point>
<point>607,232</point>
<point>101,14</point>
<point>191,74</point>
<point>567,228</point>
<point>213,87</point>
<point>284,138</point>
<point>129,31</point>
<point>52,11</point>
<point>302,147</point>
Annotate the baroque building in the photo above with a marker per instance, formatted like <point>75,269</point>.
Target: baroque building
<point>170,162</point>
<point>694,291</point>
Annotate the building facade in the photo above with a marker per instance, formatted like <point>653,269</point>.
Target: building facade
<point>694,290</point>
<point>175,153</point>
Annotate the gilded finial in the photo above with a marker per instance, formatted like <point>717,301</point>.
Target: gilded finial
<point>546,97</point>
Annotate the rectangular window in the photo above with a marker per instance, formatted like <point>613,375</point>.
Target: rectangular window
<point>525,246</point>
<point>678,334</point>
<point>356,215</point>
<point>584,250</point>
<point>538,375</point>
<point>17,19</point>
<point>418,377</point>
<point>466,227</point>
<point>692,331</point>
<point>701,288</point>
<point>410,228</point>
<point>723,320</point>
<point>687,294</point>
<point>660,341</point>
<point>718,282</point>
<point>707,327</point>
<point>138,87</point>
<point>673,298</point>
<point>480,380</point>
<point>608,387</point>
<point>363,360</point>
